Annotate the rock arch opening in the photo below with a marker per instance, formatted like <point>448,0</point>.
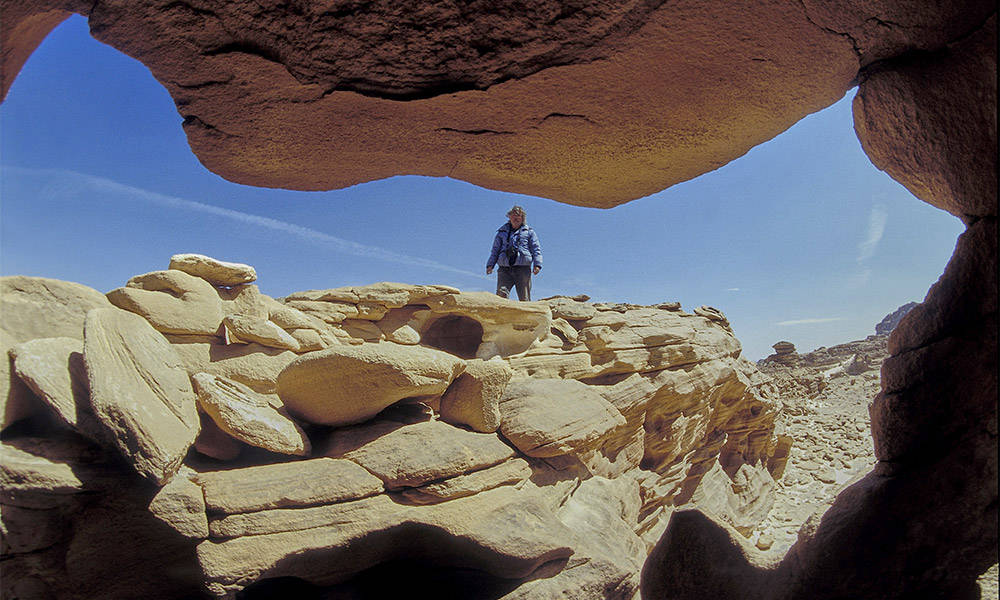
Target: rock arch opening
<point>454,334</point>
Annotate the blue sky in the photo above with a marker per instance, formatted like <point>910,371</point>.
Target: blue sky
<point>801,239</point>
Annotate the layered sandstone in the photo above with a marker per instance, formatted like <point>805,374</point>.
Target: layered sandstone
<point>537,454</point>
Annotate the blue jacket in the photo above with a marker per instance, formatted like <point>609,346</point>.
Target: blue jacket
<point>529,251</point>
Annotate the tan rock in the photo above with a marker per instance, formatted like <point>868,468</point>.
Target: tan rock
<point>505,532</point>
<point>286,485</point>
<point>413,455</point>
<point>244,300</point>
<point>473,399</point>
<point>288,318</point>
<point>53,369</point>
<point>172,301</point>
<point>349,384</point>
<point>140,391</point>
<point>545,418</point>
<point>245,330</point>
<point>249,416</point>
<point>253,365</point>
<point>566,332</point>
<point>309,340</point>
<point>388,294</point>
<point>508,327</point>
<point>35,307</point>
<point>17,401</point>
<point>509,472</point>
<point>327,312</point>
<point>571,310</point>
<point>742,501</point>
<point>42,473</point>
<point>181,505</point>
<point>214,271</point>
<point>215,443</point>
<point>362,330</point>
<point>24,530</point>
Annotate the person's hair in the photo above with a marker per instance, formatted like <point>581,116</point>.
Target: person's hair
<point>517,210</point>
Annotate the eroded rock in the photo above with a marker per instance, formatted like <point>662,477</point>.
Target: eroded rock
<point>140,392</point>
<point>249,416</point>
<point>216,272</point>
<point>344,385</point>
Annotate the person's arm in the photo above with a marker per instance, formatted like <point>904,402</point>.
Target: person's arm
<point>536,251</point>
<point>494,253</point>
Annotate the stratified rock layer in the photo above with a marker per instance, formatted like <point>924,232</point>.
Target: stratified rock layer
<point>139,392</point>
<point>535,479</point>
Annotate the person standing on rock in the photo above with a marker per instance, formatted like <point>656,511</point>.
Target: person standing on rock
<point>517,251</point>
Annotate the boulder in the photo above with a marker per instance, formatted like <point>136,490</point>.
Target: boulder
<point>473,399</point>
<point>350,384</point>
<point>551,417</point>
<point>214,271</point>
<point>53,369</point>
<point>286,485</point>
<point>181,505</point>
<point>249,416</point>
<point>172,301</point>
<point>35,307</point>
<point>244,330</point>
<point>412,455</point>
<point>140,391</point>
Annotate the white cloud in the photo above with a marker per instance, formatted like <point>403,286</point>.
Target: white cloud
<point>809,321</point>
<point>67,181</point>
<point>876,228</point>
<point>732,289</point>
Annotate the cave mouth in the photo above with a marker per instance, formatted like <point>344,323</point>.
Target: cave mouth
<point>398,578</point>
<point>454,334</point>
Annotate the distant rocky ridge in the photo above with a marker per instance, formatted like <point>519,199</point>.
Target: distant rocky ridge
<point>186,435</point>
<point>825,396</point>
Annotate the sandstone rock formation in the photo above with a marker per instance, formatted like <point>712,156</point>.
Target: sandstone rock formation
<point>603,104</point>
<point>532,479</point>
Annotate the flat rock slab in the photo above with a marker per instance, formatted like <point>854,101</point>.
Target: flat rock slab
<point>216,272</point>
<point>35,307</point>
<point>550,417</point>
<point>412,455</point>
<point>283,485</point>
<point>350,384</point>
<point>508,472</point>
<point>506,532</point>
<point>386,293</point>
<point>140,391</point>
<point>249,416</point>
<point>53,369</point>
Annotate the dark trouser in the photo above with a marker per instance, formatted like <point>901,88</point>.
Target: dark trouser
<point>519,277</point>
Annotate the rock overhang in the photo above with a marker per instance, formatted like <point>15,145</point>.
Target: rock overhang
<point>592,104</point>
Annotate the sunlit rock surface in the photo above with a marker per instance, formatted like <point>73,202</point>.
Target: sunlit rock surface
<point>538,484</point>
